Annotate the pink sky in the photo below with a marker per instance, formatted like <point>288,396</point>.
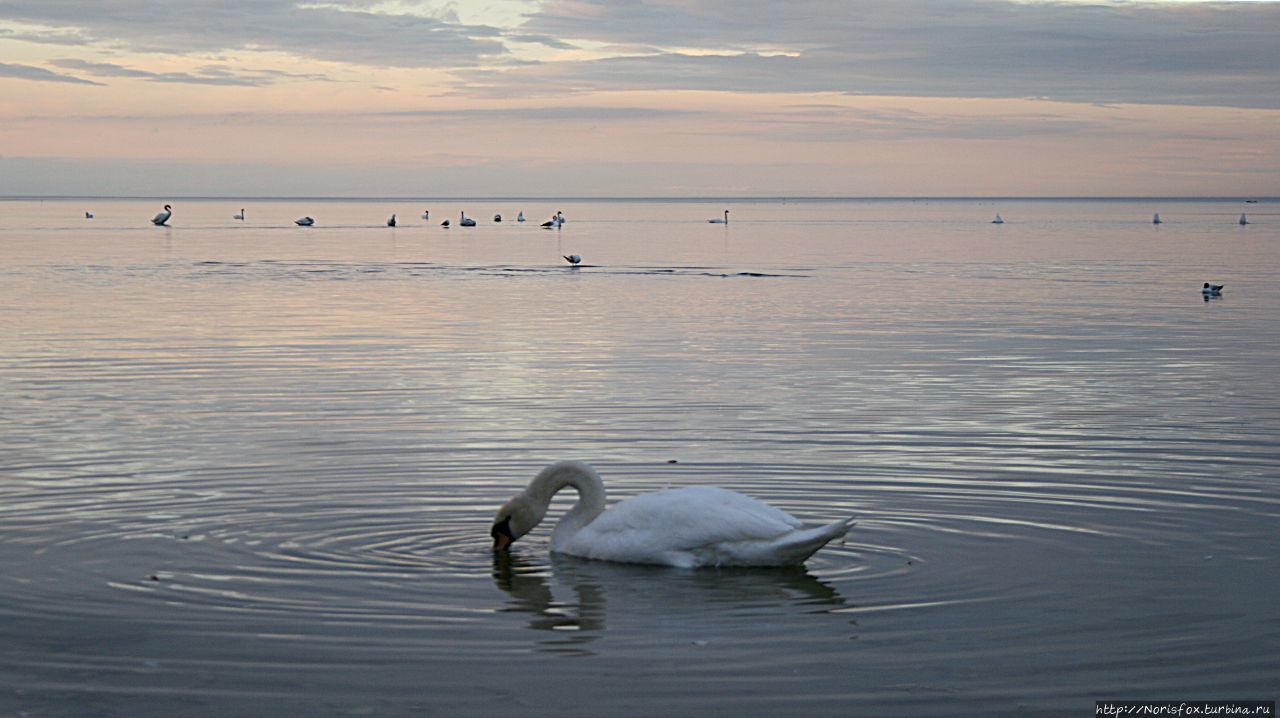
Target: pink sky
<point>596,98</point>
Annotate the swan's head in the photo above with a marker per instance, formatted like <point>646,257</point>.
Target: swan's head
<point>515,519</point>
<point>167,208</point>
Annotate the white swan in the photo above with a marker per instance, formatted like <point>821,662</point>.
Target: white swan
<point>1212,290</point>
<point>687,527</point>
<point>520,217</point>
<point>573,259</point>
<point>426,215</point>
<point>466,221</point>
<point>163,217</point>
<point>304,222</point>
<point>721,221</point>
<point>238,216</point>
<point>391,222</point>
<point>1243,219</point>
<point>997,220</point>
<point>88,215</point>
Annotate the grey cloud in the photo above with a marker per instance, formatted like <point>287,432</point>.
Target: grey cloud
<point>330,31</point>
<point>207,75</point>
<point>1211,54</point>
<point>29,72</point>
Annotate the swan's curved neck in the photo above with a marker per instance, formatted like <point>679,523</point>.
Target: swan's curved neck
<point>591,496</point>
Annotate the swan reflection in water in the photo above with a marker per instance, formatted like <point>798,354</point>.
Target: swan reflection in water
<point>575,599</point>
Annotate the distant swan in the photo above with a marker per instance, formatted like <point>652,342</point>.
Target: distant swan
<point>238,216</point>
<point>445,224</point>
<point>573,259</point>
<point>1243,219</point>
<point>304,222</point>
<point>497,218</point>
<point>1212,290</point>
<point>997,220</point>
<point>550,223</point>
<point>1156,219</point>
<point>391,222</point>
<point>88,215</point>
<point>426,215</point>
<point>686,527</point>
<point>520,217</point>
<point>163,217</point>
<point>466,221</point>
<point>721,221</point>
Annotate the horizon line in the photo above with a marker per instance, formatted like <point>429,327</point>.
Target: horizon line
<point>646,198</point>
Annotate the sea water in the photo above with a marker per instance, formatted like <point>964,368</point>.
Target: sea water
<point>249,468</point>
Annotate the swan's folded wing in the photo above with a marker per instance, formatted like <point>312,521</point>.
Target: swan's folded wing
<point>650,526</point>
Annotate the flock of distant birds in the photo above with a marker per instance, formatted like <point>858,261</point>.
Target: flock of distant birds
<point>557,219</point>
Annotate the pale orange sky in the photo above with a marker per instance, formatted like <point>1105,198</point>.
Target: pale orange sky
<point>682,97</point>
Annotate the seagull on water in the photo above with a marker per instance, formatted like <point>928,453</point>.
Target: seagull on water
<point>573,259</point>
<point>1212,290</point>
<point>163,217</point>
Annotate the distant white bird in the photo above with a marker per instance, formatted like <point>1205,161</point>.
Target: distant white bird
<point>1156,219</point>
<point>238,216</point>
<point>466,221</point>
<point>998,219</point>
<point>573,259</point>
<point>304,222</point>
<point>163,217</point>
<point>721,221</point>
<point>88,215</point>
<point>560,218</point>
<point>1212,290</point>
<point>426,215</point>
<point>497,218</point>
<point>391,222</point>
<point>1243,219</point>
<point>520,217</point>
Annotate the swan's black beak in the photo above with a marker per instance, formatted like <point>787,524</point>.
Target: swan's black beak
<point>501,534</point>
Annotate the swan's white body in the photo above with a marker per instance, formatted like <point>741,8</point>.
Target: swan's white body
<point>686,527</point>
<point>721,221</point>
<point>466,221</point>
<point>304,222</point>
<point>163,217</point>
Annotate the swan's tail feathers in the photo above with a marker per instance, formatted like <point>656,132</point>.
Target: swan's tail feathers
<point>796,547</point>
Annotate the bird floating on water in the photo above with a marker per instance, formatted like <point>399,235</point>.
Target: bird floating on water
<point>1212,290</point>
<point>497,218</point>
<point>720,221</point>
<point>1243,219</point>
<point>163,217</point>
<point>466,221</point>
<point>426,214</point>
<point>998,219</point>
<point>690,527</point>
<point>304,222</point>
<point>520,217</point>
<point>573,259</point>
<point>391,222</point>
<point>238,216</point>
<point>1156,219</point>
<point>445,224</point>
<point>88,215</point>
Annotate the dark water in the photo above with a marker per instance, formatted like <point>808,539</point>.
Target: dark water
<point>248,468</point>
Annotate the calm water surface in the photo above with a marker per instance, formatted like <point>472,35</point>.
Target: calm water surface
<point>248,468</point>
